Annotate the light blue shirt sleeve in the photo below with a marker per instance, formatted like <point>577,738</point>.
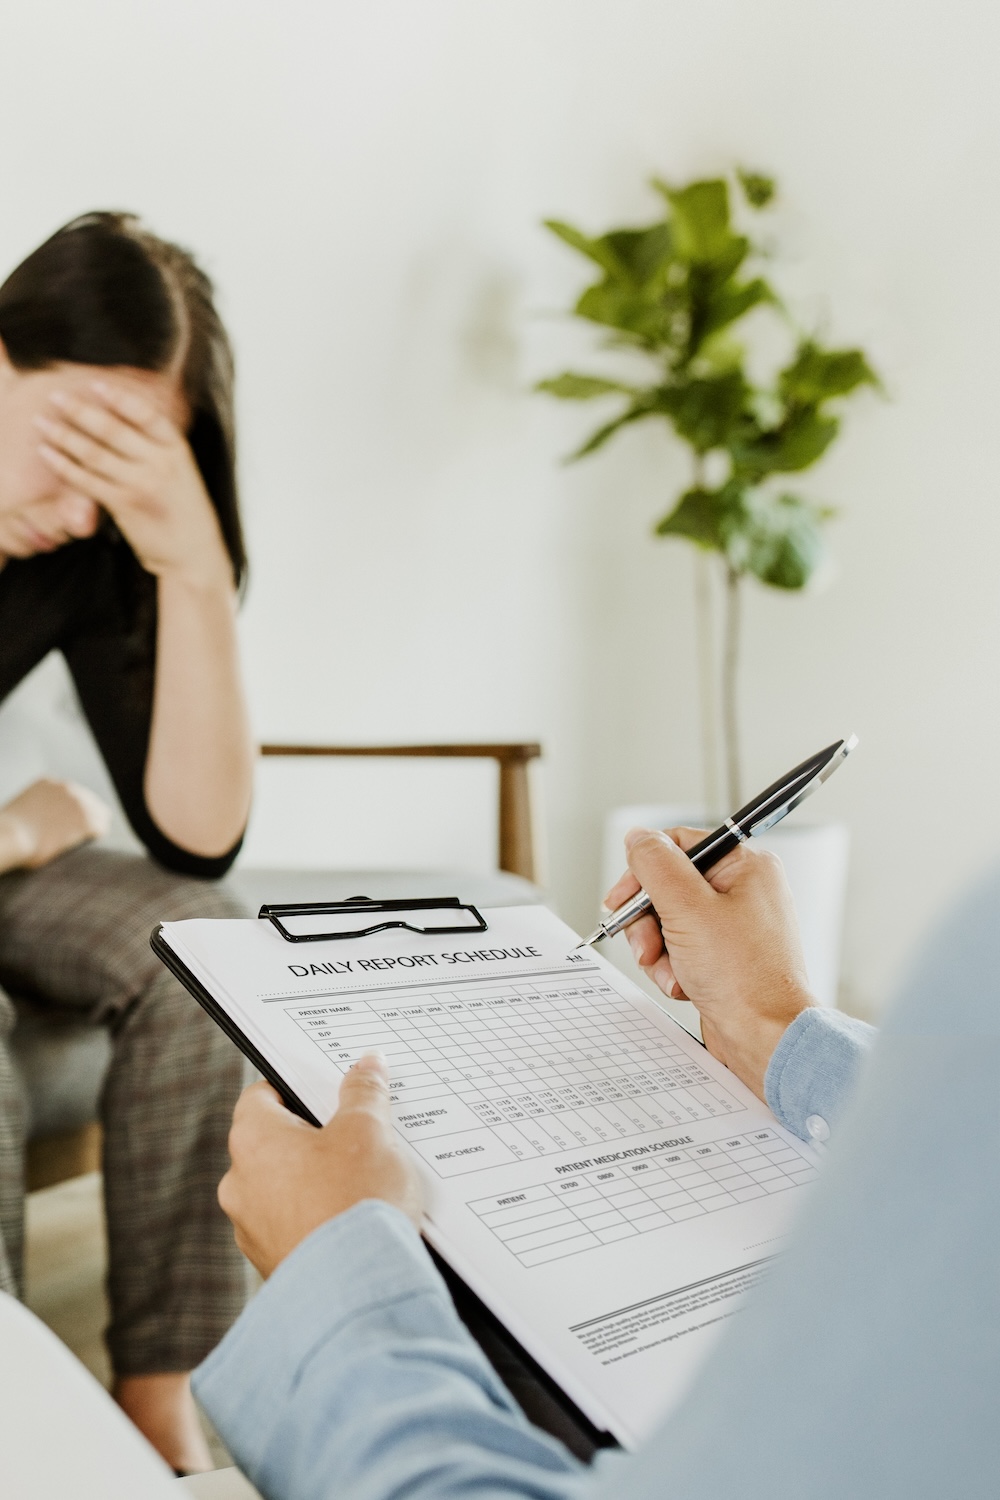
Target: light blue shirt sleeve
<point>350,1374</point>
<point>815,1069</point>
<point>866,1367</point>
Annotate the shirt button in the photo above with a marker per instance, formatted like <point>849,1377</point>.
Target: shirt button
<point>818,1129</point>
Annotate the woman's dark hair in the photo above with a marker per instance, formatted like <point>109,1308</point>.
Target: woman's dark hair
<point>105,291</point>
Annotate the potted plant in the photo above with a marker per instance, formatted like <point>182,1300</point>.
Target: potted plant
<point>671,298</point>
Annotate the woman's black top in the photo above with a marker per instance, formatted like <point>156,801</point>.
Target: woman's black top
<point>93,602</point>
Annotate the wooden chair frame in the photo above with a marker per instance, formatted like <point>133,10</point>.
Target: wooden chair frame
<point>517,850</point>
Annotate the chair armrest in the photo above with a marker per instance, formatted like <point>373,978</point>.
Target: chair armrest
<point>517,849</point>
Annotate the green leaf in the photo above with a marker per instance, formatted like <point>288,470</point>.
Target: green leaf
<point>673,290</point>
<point>696,517</point>
<point>817,374</point>
<point>799,441</point>
<point>595,250</point>
<point>757,189</point>
<point>733,302</point>
<point>572,387</point>
<point>714,298</point>
<point>641,254</point>
<point>597,439</point>
<point>718,354</point>
<point>778,538</point>
<point>638,256</point>
<point>620,305</point>
<point>705,411</point>
<point>714,274</point>
<point>803,439</point>
<point>700,218</point>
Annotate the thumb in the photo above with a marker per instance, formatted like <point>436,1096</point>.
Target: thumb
<point>365,1088</point>
<point>667,875</point>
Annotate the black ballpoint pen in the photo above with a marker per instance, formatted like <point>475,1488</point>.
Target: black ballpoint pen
<point>761,813</point>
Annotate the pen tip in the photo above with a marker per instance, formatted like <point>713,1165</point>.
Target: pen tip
<point>595,937</point>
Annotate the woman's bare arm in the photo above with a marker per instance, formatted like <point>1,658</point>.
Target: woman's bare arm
<point>122,450</point>
<point>199,768</point>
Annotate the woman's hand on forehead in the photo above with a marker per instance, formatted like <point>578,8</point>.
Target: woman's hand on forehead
<point>117,445</point>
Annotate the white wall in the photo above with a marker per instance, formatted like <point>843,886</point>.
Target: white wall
<point>365,180</point>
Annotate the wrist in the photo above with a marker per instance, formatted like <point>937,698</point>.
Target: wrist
<point>746,1040</point>
<point>204,581</point>
<point>18,842</point>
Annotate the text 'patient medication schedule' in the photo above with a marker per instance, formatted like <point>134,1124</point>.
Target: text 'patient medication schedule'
<point>604,1185</point>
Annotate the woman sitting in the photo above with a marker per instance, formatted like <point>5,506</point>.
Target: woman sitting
<point>121,547</point>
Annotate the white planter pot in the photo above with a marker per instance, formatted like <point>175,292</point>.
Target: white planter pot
<point>815,857</point>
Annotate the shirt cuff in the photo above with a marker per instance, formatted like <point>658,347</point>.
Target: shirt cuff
<point>366,1257</point>
<point>814,1069</point>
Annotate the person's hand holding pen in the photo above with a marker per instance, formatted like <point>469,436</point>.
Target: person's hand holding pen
<point>727,941</point>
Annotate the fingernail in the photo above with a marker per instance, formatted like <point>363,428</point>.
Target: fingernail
<point>59,398</point>
<point>637,948</point>
<point>45,424</point>
<point>100,386</point>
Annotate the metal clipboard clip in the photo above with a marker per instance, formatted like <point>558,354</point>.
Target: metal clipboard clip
<point>295,922</point>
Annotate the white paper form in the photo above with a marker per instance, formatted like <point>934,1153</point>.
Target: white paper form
<point>604,1185</point>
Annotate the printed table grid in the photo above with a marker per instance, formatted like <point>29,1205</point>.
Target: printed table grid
<point>534,1069</point>
<point>560,1218</point>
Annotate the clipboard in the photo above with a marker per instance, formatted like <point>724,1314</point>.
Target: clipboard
<point>225,1023</point>
<point>373,915</point>
<point>541,1397</point>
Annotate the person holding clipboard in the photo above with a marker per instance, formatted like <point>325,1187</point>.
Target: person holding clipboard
<point>865,1366</point>
<point>121,547</point>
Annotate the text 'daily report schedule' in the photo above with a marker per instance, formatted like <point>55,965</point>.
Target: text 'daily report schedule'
<point>487,1075</point>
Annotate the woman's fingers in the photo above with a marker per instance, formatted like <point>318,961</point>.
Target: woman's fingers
<point>134,409</point>
<point>98,421</point>
<point>86,451</point>
<point>95,813</point>
<point>55,816</point>
<point>94,486</point>
<point>126,454</point>
<point>105,447</point>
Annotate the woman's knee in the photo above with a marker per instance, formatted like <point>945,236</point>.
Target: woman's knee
<point>161,896</point>
<point>128,954</point>
<point>166,1030</point>
<point>180,898</point>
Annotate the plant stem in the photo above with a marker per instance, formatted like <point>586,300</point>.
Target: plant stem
<point>707,686</point>
<point>730,674</point>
